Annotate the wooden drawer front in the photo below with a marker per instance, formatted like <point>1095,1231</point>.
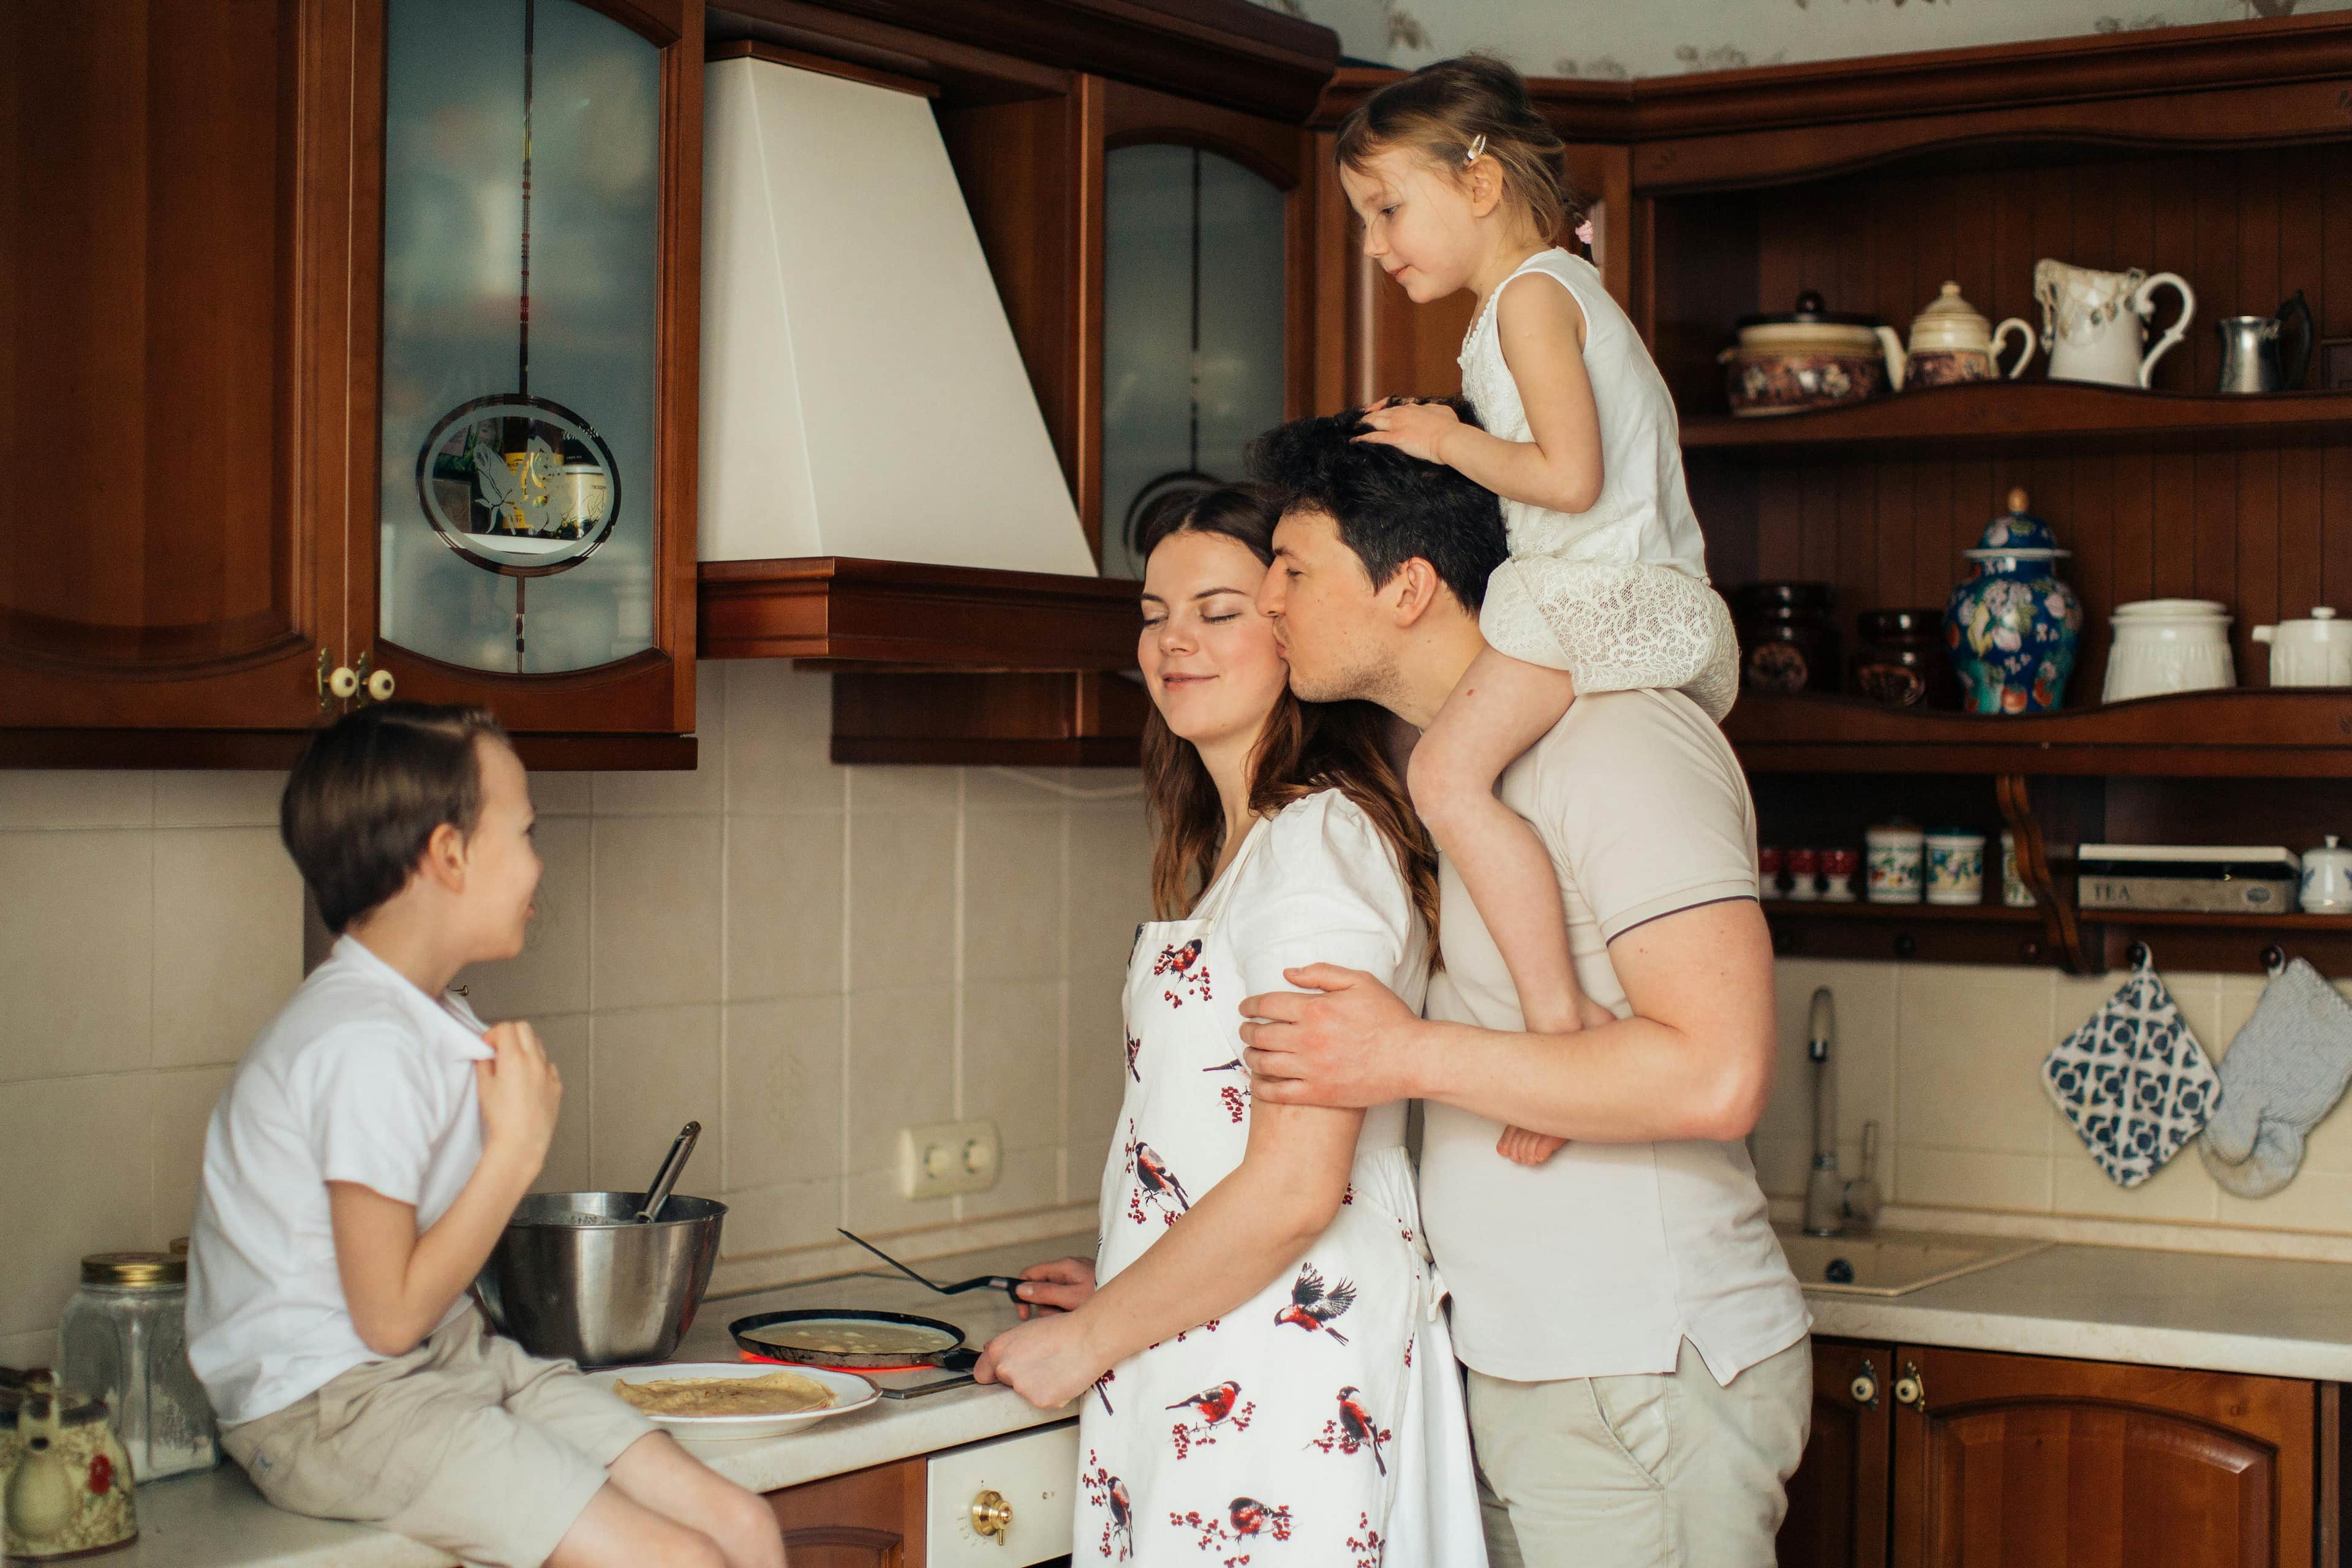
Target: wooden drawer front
<point>2007,1461</point>
<point>1035,1471</point>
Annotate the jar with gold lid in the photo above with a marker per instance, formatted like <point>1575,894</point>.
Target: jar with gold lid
<point>124,1339</point>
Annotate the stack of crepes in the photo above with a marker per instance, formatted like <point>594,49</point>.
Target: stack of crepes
<point>773,1393</point>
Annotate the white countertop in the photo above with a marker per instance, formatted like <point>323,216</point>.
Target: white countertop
<point>218,1520</point>
<point>2273,1316</point>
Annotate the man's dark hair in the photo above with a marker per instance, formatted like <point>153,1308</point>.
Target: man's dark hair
<point>1389,507</point>
<point>361,803</point>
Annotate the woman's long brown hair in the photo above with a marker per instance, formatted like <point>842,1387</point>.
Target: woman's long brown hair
<point>1307,747</point>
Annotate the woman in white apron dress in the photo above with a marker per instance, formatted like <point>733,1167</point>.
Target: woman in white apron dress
<point>1267,1374</point>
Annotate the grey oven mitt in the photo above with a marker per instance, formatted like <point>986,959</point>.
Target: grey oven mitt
<point>2283,1073</point>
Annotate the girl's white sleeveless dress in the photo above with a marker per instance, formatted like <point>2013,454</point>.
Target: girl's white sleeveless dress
<point>1616,595</point>
<point>1321,1423</point>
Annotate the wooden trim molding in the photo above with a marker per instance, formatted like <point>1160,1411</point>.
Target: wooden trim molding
<point>892,613</point>
<point>847,71</point>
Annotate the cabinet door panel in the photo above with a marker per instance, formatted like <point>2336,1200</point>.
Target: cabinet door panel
<point>171,545</point>
<point>2013,1460</point>
<point>1837,1498</point>
<point>866,1519</point>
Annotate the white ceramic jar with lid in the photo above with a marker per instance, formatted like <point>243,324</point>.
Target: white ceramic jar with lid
<point>2313,652</point>
<point>2327,885</point>
<point>124,1339</point>
<point>2168,644</point>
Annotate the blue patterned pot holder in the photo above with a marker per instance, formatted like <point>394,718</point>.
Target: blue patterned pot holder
<point>2132,1081</point>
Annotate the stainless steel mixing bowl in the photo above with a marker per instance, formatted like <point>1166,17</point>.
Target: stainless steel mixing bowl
<point>572,1277</point>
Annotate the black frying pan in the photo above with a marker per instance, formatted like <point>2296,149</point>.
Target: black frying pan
<point>949,1353</point>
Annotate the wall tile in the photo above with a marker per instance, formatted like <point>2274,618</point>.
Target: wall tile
<point>203,798</point>
<point>1782,1165</point>
<point>785,1065</point>
<point>656,912</point>
<point>228,939</point>
<point>779,739</point>
<point>52,797</point>
<point>568,1038</point>
<point>551,974</point>
<point>2239,994</point>
<point>871,1200</point>
<point>566,794</point>
<point>1097,1067</point>
<point>73,1158</point>
<point>902,913</point>
<point>2180,1191</point>
<point>2316,1199</point>
<point>1110,884</point>
<point>784,911</point>
<point>772,1219</point>
<point>1012,1060</point>
<point>1028,1179</point>
<point>182,1109</point>
<point>1028,789</point>
<point>1013,896</point>
<point>905,789</point>
<point>901,1070</point>
<point>37,1348</point>
<point>77,945</point>
<point>656,1069</point>
<point>1972,1044</point>
<point>1963,1178</point>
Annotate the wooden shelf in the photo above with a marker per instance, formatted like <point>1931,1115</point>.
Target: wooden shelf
<point>2235,921</point>
<point>887,614</point>
<point>2244,733</point>
<point>2023,415</point>
<point>1862,909</point>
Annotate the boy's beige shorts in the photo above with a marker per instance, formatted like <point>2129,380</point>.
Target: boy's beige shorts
<point>465,1443</point>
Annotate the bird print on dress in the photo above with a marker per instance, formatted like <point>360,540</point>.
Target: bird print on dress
<point>1221,1405</point>
<point>1133,1045</point>
<point>1247,1523</point>
<point>1312,1306</point>
<point>1234,1097</point>
<point>1353,1429</point>
<point>1156,1185</point>
<point>1192,975</point>
<point>1108,1492</point>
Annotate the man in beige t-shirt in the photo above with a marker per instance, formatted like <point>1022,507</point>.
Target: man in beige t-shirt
<point>1640,1372</point>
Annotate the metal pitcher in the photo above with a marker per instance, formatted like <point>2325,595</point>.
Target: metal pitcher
<point>2250,349</point>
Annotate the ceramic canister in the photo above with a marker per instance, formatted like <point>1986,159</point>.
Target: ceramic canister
<point>1955,867</point>
<point>2313,652</point>
<point>2168,644</point>
<point>2327,878</point>
<point>1898,855</point>
<point>2012,625</point>
<point>1810,357</point>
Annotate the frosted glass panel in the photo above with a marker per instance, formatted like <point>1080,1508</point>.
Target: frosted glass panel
<point>1192,326</point>
<point>519,456</point>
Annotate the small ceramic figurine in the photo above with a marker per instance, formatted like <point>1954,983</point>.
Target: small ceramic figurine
<point>2011,626</point>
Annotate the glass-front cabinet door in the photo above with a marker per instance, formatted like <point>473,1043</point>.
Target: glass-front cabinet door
<point>1199,247</point>
<point>530,503</point>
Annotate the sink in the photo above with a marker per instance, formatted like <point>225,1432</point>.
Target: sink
<point>1892,1262</point>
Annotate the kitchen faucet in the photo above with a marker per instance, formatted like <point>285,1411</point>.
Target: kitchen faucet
<point>1829,1201</point>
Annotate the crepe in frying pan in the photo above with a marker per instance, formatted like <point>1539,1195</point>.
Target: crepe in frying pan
<point>772,1393</point>
<point>854,1336</point>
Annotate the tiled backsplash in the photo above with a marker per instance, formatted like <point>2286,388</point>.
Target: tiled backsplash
<point>802,956</point>
<point>1947,1061</point>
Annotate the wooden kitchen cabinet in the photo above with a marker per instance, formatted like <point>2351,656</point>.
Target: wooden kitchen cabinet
<point>1973,1460</point>
<point>868,1519</point>
<point>195,202</point>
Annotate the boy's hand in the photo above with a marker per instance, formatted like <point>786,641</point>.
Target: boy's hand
<point>521,1092</point>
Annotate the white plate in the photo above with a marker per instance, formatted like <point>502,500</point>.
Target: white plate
<point>850,1391</point>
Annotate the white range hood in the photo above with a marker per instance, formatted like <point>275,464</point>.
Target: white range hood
<point>862,394</point>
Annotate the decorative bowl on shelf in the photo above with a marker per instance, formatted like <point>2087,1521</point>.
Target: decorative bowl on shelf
<point>2012,625</point>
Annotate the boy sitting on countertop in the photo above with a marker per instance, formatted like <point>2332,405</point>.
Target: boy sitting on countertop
<point>362,1164</point>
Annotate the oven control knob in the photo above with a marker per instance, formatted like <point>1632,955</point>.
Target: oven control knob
<point>992,1515</point>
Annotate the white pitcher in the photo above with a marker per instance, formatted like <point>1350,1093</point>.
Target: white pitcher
<point>2095,324</point>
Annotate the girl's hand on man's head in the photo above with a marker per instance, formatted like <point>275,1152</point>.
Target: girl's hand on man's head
<point>1418,429</point>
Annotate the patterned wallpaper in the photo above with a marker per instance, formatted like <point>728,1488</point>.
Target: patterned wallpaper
<point>1666,38</point>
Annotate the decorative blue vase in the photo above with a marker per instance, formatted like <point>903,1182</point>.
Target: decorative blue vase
<point>2011,626</point>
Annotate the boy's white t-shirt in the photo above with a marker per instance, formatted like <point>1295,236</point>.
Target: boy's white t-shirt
<point>361,1078</point>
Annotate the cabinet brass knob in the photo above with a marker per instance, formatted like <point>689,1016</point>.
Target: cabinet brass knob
<point>343,681</point>
<point>992,1515</point>
<point>1911,1388</point>
<point>380,685</point>
<point>1864,1389</point>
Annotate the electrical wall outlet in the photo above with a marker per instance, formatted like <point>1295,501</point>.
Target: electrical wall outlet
<point>948,1157</point>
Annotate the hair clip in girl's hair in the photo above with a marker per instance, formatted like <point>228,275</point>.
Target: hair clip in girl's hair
<point>1477,150</point>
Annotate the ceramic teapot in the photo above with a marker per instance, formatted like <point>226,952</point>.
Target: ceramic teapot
<point>2095,323</point>
<point>1950,342</point>
<point>65,1481</point>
